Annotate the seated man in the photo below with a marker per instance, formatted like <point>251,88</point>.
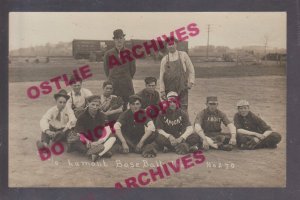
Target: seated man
<point>175,131</point>
<point>135,135</point>
<point>208,127</point>
<point>253,132</point>
<point>78,95</point>
<point>111,105</point>
<point>95,139</point>
<point>149,95</point>
<point>57,122</point>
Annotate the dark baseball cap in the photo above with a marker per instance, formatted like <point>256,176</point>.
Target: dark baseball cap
<point>213,99</point>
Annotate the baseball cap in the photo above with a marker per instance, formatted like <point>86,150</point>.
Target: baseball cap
<point>242,103</point>
<point>172,94</point>
<point>212,99</point>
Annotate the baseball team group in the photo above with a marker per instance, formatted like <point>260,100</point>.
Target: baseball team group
<point>102,125</point>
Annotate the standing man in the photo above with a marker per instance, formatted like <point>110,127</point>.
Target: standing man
<point>208,127</point>
<point>253,132</point>
<point>120,68</point>
<point>176,73</point>
<point>78,96</point>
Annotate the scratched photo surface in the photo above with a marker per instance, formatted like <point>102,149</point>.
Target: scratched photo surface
<point>235,55</point>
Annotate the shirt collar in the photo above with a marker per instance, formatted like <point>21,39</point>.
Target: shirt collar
<point>117,50</point>
<point>147,93</point>
<point>103,98</point>
<point>211,112</point>
<point>56,109</point>
<point>79,94</point>
<point>248,115</point>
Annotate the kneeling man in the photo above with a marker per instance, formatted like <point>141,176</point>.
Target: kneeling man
<point>253,132</point>
<point>136,135</point>
<point>94,137</point>
<point>208,127</point>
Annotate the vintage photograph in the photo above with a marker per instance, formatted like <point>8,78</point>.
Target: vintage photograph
<point>147,99</point>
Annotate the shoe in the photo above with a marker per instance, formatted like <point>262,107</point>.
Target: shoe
<point>182,148</point>
<point>225,147</point>
<point>94,157</point>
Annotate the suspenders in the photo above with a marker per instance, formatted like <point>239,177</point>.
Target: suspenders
<point>179,57</point>
<point>73,105</point>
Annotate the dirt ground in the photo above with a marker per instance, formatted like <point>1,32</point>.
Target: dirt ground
<point>260,168</point>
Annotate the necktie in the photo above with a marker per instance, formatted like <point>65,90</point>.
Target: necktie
<point>58,117</point>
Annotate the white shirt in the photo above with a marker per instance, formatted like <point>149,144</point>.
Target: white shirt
<point>78,100</point>
<point>187,65</point>
<point>67,120</point>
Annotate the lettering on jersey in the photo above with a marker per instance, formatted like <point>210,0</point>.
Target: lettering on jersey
<point>173,122</point>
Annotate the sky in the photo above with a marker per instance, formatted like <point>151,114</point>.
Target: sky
<point>232,29</point>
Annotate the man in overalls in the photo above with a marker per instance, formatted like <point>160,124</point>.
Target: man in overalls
<point>122,74</point>
<point>176,73</point>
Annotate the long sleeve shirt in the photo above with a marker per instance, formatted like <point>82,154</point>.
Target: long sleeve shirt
<point>251,122</point>
<point>78,99</point>
<point>187,66</point>
<point>67,119</point>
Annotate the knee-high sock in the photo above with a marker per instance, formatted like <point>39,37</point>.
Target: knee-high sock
<point>107,145</point>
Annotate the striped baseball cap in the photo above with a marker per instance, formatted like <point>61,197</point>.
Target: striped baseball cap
<point>242,103</point>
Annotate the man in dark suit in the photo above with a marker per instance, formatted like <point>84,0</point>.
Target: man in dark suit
<point>119,68</point>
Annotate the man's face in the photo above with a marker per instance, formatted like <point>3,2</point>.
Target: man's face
<point>119,42</point>
<point>173,101</point>
<point>135,106</point>
<point>150,87</point>
<point>61,103</point>
<point>212,105</point>
<point>243,110</point>
<point>94,106</point>
<point>107,90</point>
<point>172,47</point>
<point>76,87</point>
